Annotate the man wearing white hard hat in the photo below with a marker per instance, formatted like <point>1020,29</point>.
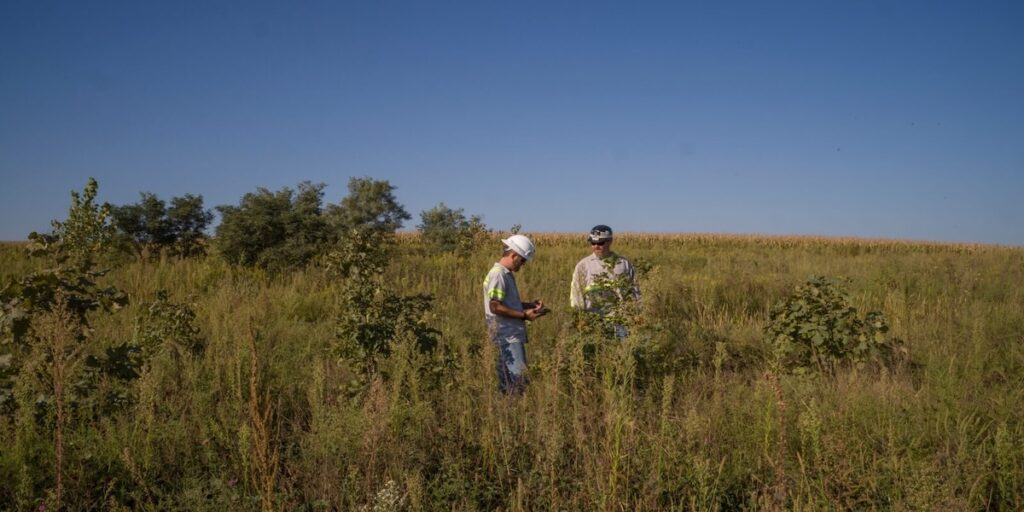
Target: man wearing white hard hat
<point>506,314</point>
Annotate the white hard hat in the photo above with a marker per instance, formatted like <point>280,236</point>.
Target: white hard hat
<point>520,245</point>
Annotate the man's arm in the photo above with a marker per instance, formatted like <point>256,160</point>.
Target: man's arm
<point>500,309</point>
<point>576,288</point>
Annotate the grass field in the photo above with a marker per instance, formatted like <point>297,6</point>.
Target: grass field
<point>269,417</point>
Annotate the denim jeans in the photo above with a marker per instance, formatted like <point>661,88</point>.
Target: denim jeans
<point>621,331</point>
<point>511,366</point>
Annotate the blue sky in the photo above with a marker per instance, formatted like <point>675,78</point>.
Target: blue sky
<point>847,118</point>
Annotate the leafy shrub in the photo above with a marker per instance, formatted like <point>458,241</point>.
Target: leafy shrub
<point>165,329</point>
<point>83,236</point>
<point>288,229</point>
<point>374,315</point>
<point>169,326</point>
<point>614,301</point>
<point>449,230</point>
<point>816,328</point>
<point>371,323</point>
<point>360,256</point>
<point>616,328</point>
<point>72,283</point>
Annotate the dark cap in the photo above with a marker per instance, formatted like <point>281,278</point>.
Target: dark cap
<point>600,233</point>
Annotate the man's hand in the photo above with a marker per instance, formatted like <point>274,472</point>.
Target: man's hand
<point>534,310</point>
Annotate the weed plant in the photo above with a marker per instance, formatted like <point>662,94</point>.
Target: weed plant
<point>244,403</point>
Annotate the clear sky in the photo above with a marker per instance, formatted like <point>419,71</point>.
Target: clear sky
<point>895,119</point>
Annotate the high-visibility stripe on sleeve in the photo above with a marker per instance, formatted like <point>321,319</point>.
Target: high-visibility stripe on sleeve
<point>496,294</point>
<point>488,276</point>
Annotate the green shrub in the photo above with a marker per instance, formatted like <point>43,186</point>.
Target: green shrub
<point>373,315</point>
<point>149,225</point>
<point>369,206</point>
<point>816,328</point>
<point>71,286</point>
<point>287,229</point>
<point>84,235</point>
<point>274,230</point>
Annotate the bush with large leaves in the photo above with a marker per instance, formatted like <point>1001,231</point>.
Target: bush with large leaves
<point>69,289</point>
<point>816,329</point>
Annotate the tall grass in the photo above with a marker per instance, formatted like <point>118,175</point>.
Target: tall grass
<point>268,417</point>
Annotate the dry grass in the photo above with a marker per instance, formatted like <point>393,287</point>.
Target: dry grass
<point>278,421</point>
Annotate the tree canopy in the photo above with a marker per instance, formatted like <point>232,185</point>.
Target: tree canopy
<point>149,225</point>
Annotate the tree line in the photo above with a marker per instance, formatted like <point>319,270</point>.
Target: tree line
<point>278,230</point>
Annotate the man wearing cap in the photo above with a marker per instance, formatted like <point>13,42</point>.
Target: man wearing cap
<point>505,314</point>
<point>603,279</point>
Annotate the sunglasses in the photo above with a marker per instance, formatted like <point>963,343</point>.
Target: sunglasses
<point>601,242</point>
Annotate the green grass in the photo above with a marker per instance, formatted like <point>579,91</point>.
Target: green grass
<point>703,426</point>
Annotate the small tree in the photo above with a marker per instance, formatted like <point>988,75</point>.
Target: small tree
<point>449,230</point>
<point>188,222</point>
<point>72,247</point>
<point>143,225</point>
<point>369,206</point>
<point>150,225</point>
<point>373,315</point>
<point>83,236</point>
<point>274,230</point>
